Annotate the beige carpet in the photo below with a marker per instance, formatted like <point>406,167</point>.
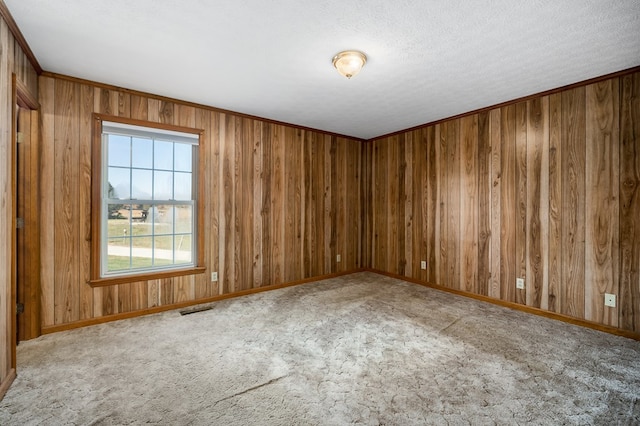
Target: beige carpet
<point>359,349</point>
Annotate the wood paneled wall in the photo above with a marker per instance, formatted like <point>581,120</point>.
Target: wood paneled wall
<point>12,60</point>
<point>546,189</point>
<point>280,203</point>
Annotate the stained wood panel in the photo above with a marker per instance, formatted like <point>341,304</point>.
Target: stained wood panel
<point>66,223</point>
<point>521,198</point>
<point>495,210</point>
<point>555,203</point>
<point>469,204</point>
<point>544,189</point>
<point>268,188</point>
<point>508,204</point>
<point>573,201</point>
<point>601,186</point>
<point>630,203</point>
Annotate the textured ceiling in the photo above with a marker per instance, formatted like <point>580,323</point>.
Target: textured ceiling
<point>427,59</point>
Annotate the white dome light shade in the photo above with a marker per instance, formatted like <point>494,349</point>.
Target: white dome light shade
<point>349,62</point>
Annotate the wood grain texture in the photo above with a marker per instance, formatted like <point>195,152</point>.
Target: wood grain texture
<point>469,204</point>
<point>508,205</point>
<point>573,201</point>
<point>452,137</point>
<point>602,172</point>
<point>629,297</point>
<point>483,177</point>
<point>521,137</point>
<point>544,189</point>
<point>267,187</point>
<point>66,223</point>
<point>495,211</point>
<point>555,203</point>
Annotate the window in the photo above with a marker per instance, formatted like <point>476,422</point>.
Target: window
<point>145,199</point>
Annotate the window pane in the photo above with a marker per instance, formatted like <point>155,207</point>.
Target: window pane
<point>119,150</point>
<point>141,237</point>
<point>162,185</point>
<point>183,157</point>
<point>184,219</point>
<point>163,155</point>
<point>163,218</point>
<point>141,184</point>
<point>163,251</point>
<point>182,186</point>
<point>142,153</point>
<point>119,256</point>
<point>183,248</point>
<point>119,226</point>
<point>119,183</point>
<point>141,252</point>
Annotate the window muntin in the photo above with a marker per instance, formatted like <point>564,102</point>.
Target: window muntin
<point>148,199</point>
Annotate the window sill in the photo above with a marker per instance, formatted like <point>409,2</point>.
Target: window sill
<point>124,279</point>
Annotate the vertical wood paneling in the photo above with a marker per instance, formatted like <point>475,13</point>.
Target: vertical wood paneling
<point>496,203</point>
<point>47,201</point>
<point>573,201</point>
<point>484,204</point>
<point>66,177</point>
<point>7,357</point>
<point>393,194</point>
<point>452,274</point>
<point>629,300</point>
<point>278,205</point>
<point>267,188</point>
<point>84,213</point>
<point>521,198</point>
<point>602,186</point>
<point>555,203</point>
<point>545,189</point>
<point>483,199</point>
<point>214,200</point>
<point>257,183</point>
<point>267,207</point>
<point>469,204</point>
<point>442,208</point>
<point>508,205</point>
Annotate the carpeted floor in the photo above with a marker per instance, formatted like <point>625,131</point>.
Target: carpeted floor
<point>359,349</point>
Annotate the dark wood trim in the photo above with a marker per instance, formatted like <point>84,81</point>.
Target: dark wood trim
<point>6,383</point>
<point>517,306</point>
<point>17,34</point>
<point>155,310</point>
<point>143,123</point>
<point>132,278</point>
<point>26,99</point>
<point>96,176</point>
<point>513,101</point>
<point>14,214</point>
<point>191,104</point>
<point>27,185</point>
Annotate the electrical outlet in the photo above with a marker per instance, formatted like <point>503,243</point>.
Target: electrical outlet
<point>423,264</point>
<point>338,258</point>
<point>610,300</point>
<point>520,283</point>
<point>214,276</point>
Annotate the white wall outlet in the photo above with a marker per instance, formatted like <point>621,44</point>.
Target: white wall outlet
<point>610,300</point>
<point>338,258</point>
<point>423,264</point>
<point>214,276</point>
<point>520,283</point>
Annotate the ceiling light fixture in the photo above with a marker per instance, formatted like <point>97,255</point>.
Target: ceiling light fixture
<point>349,62</point>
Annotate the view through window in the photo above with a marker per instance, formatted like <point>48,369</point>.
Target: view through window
<point>148,193</point>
